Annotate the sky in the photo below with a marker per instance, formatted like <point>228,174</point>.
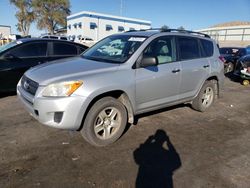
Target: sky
<point>191,14</point>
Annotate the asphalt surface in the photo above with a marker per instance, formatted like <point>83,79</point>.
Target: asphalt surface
<point>174,147</point>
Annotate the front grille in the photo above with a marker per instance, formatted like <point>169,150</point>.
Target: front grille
<point>29,85</point>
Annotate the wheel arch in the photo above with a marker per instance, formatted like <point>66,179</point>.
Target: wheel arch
<point>117,94</point>
<point>215,81</point>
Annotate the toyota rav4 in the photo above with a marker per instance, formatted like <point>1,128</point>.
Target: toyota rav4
<point>121,76</point>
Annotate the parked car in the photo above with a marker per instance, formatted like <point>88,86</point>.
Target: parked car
<point>99,92</point>
<point>18,56</point>
<point>59,37</point>
<point>232,59</point>
<point>230,55</point>
<point>240,64</point>
<point>86,41</point>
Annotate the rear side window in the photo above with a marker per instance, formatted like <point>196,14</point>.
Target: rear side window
<point>81,49</point>
<point>61,48</point>
<point>208,48</point>
<point>37,49</point>
<point>188,48</point>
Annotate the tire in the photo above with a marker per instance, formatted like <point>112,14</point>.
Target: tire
<point>105,122</point>
<point>205,98</point>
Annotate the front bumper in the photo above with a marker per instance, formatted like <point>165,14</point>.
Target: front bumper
<point>57,112</point>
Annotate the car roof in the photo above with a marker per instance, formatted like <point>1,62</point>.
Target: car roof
<point>24,40</point>
<point>150,32</point>
<point>37,39</point>
<point>231,47</point>
<point>141,33</point>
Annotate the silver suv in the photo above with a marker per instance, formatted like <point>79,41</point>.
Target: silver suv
<point>121,76</point>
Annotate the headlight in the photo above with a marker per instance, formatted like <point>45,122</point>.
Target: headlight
<point>62,89</point>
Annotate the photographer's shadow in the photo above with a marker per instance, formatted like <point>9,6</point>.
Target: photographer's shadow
<point>157,160</point>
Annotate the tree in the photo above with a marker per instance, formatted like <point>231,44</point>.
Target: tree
<point>51,13</point>
<point>164,27</point>
<point>181,28</point>
<point>24,15</point>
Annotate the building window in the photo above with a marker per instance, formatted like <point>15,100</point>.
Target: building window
<point>92,25</point>
<point>120,28</point>
<point>131,29</point>
<point>79,37</point>
<point>109,27</point>
<point>80,24</point>
<point>75,25</point>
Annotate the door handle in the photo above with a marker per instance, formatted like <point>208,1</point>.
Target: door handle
<point>176,70</point>
<point>206,66</point>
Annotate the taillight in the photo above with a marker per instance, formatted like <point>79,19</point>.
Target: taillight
<point>222,59</point>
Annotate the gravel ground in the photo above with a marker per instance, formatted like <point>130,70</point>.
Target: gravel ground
<point>176,147</point>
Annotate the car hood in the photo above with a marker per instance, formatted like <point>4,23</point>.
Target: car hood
<point>67,69</point>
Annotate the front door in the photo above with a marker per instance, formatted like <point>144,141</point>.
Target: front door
<point>15,62</point>
<point>158,85</point>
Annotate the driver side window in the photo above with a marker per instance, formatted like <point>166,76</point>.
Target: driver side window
<point>34,49</point>
<point>163,49</point>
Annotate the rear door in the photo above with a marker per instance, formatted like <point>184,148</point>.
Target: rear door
<point>158,85</point>
<point>194,67</point>
<point>19,60</point>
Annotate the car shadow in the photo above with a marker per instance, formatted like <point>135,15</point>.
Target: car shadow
<point>7,94</point>
<point>157,159</point>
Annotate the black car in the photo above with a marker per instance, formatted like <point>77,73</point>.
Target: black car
<point>18,56</point>
<point>230,55</point>
<point>242,63</point>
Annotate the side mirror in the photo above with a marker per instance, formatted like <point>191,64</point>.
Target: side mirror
<point>148,61</point>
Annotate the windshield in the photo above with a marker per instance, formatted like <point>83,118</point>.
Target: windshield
<point>7,46</point>
<point>114,49</point>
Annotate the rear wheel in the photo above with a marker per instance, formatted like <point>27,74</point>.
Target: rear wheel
<point>105,122</point>
<point>205,98</point>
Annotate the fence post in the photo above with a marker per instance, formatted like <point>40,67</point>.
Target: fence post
<point>243,34</point>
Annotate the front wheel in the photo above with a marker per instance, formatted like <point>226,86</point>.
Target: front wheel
<point>105,122</point>
<point>205,98</point>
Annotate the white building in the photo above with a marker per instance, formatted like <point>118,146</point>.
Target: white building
<point>230,34</point>
<point>97,26</point>
<point>5,31</point>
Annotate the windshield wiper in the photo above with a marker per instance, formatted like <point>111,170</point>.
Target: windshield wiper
<point>101,60</point>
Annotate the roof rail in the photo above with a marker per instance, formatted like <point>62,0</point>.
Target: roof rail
<point>173,30</point>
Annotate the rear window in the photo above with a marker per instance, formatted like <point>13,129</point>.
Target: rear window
<point>188,48</point>
<point>208,48</point>
<point>61,48</point>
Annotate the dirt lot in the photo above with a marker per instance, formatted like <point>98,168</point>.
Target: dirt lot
<point>177,145</point>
